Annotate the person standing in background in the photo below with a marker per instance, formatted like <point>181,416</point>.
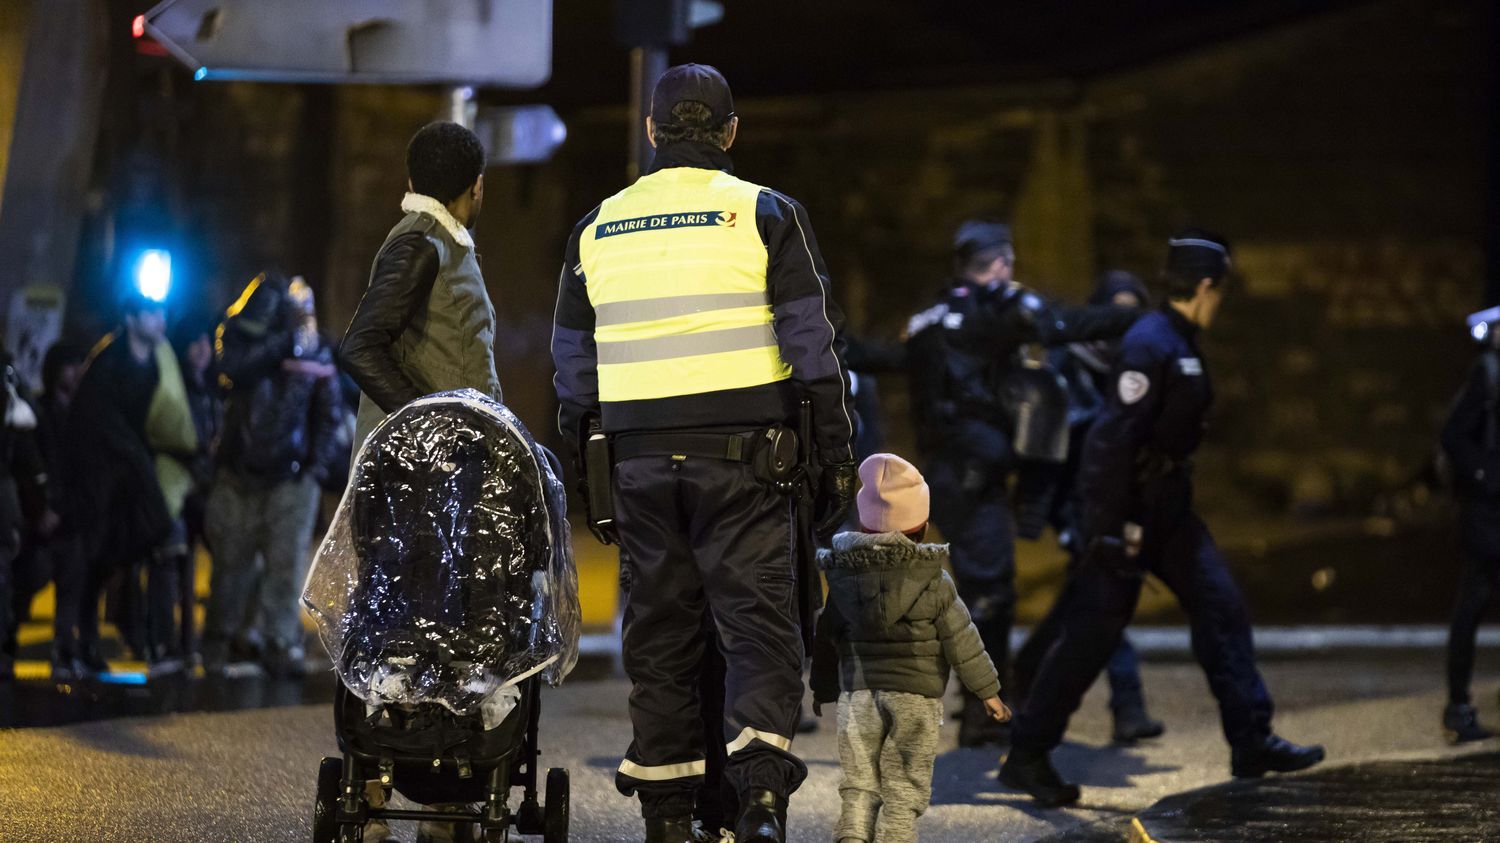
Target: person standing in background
<point>115,506</point>
<point>1471,439</point>
<point>279,440</point>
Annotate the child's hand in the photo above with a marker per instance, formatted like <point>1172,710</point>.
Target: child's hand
<point>998,710</point>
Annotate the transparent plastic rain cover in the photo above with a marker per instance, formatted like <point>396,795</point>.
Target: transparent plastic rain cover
<point>447,575</point>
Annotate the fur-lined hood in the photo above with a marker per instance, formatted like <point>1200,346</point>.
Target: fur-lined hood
<point>870,551</point>
<point>416,203</point>
<point>876,579</point>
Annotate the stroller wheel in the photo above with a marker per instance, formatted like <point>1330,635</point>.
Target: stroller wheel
<point>325,825</point>
<point>556,807</point>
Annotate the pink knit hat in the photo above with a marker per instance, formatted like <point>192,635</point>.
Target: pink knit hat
<point>892,495</point>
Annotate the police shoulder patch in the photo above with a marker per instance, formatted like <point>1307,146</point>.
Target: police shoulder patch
<point>926,319</point>
<point>1133,386</point>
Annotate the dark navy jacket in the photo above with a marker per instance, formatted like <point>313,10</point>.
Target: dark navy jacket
<point>1471,436</point>
<point>960,349</point>
<point>1136,459</point>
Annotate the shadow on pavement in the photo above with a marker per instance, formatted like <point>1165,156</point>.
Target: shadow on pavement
<point>1105,766</point>
<point>1438,800</point>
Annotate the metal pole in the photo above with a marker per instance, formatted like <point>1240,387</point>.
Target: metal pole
<point>647,64</point>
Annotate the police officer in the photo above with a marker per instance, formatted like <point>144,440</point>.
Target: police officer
<point>1135,484</point>
<point>694,314</point>
<point>1086,368</point>
<point>1471,439</point>
<point>960,352</point>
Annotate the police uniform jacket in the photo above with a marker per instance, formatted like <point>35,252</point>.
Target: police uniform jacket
<point>696,300</point>
<point>1471,436</point>
<point>960,348</point>
<point>1136,459</point>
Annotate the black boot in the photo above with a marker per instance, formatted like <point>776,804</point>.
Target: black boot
<point>670,830</point>
<point>1273,755</point>
<point>762,817</point>
<point>976,728</point>
<point>1461,724</point>
<point>1032,772</point>
<point>1132,724</point>
<point>91,659</point>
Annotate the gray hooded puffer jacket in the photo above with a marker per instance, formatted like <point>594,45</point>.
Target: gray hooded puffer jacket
<point>894,622</point>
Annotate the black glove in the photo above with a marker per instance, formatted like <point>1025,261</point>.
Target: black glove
<point>836,485</point>
<point>1108,554</point>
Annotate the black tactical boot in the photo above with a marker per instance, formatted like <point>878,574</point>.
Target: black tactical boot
<point>92,660</point>
<point>670,830</point>
<point>1461,724</point>
<point>976,728</point>
<point>762,817</point>
<point>1032,772</point>
<point>1132,724</point>
<point>1274,755</point>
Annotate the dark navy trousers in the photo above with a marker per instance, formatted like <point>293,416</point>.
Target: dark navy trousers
<point>1186,559</point>
<point>706,536</point>
<point>970,507</point>
<point>1480,530</point>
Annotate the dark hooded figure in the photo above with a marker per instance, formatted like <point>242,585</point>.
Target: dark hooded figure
<point>279,441</point>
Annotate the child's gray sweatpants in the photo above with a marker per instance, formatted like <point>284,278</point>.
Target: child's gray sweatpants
<point>887,743</point>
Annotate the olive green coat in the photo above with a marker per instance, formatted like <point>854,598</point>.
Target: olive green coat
<point>894,622</point>
<point>449,342</point>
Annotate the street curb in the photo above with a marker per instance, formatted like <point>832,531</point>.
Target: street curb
<point>1138,833</point>
<point>1177,640</point>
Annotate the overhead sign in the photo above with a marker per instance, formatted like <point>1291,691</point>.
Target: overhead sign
<point>499,43</point>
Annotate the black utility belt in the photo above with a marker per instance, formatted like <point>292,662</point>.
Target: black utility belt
<point>772,452</point>
<point>1157,466</point>
<point>735,447</point>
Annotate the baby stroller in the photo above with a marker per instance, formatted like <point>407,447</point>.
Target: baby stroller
<point>445,594</point>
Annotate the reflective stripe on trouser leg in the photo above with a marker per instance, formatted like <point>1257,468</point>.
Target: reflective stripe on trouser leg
<point>661,772</point>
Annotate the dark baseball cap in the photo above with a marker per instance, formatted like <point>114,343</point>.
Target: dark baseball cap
<point>692,83</point>
<point>978,236</point>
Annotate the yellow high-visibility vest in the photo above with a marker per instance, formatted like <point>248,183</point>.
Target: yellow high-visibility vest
<point>676,272</point>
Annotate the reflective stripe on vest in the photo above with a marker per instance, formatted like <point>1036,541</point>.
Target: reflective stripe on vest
<point>676,272</point>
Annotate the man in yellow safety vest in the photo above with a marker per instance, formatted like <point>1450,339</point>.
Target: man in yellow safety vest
<point>693,318</point>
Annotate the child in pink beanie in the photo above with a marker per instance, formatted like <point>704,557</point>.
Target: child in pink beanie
<point>893,629</point>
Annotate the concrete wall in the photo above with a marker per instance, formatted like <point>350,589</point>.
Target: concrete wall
<point>55,108</point>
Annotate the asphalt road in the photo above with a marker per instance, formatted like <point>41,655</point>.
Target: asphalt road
<point>249,775</point>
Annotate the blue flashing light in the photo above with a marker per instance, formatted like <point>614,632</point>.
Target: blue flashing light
<point>123,677</point>
<point>153,274</point>
<point>200,74</point>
